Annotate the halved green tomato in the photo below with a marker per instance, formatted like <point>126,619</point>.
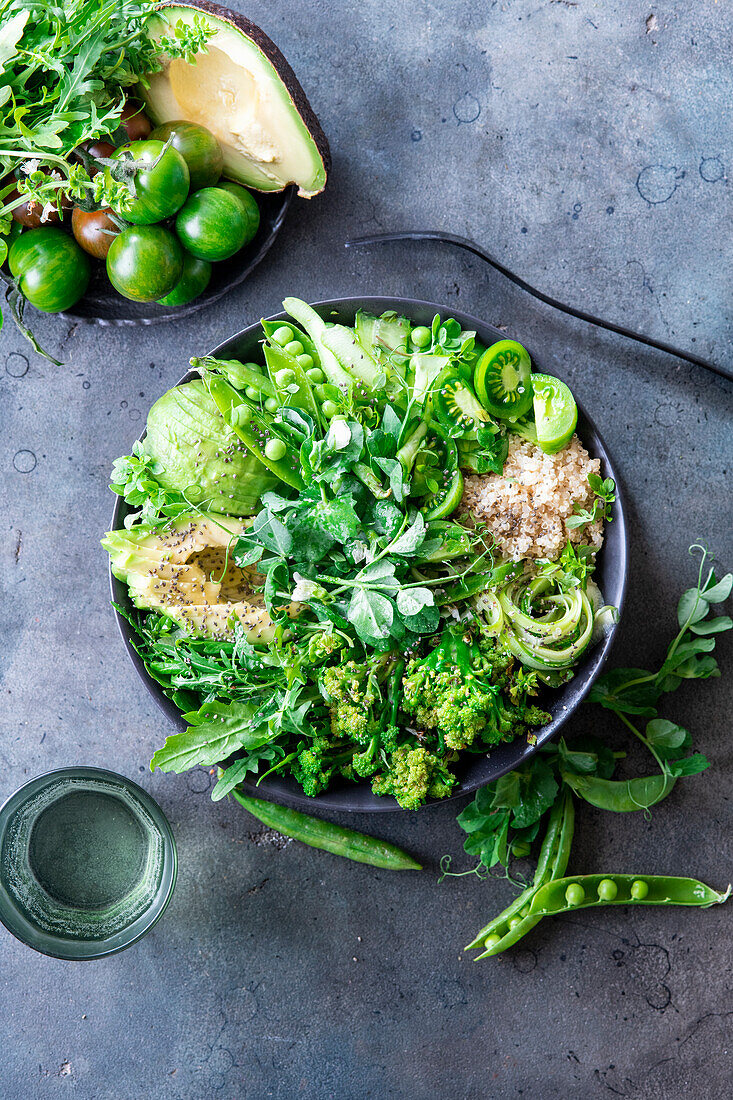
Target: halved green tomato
<point>456,405</point>
<point>503,379</point>
<point>555,413</point>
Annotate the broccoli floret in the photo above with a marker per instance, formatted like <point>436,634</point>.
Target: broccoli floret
<point>413,775</point>
<point>351,693</point>
<point>314,766</point>
<point>366,763</point>
<point>457,692</point>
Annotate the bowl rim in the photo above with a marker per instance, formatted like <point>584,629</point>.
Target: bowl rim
<point>358,798</point>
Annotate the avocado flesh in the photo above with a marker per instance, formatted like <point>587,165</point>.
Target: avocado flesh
<point>244,91</point>
<point>184,573</point>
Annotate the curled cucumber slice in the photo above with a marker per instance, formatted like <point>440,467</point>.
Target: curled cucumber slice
<point>555,413</point>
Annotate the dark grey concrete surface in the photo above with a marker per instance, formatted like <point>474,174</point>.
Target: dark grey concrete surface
<point>589,146</point>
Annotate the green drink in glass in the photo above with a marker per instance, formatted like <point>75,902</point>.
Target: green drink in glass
<point>87,863</point>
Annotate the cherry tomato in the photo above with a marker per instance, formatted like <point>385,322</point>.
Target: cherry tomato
<point>212,224</point>
<point>144,262</point>
<point>50,269</point>
<point>198,147</point>
<point>94,231</point>
<point>503,379</point>
<point>160,190</point>
<point>249,203</point>
<point>134,121</point>
<point>95,150</point>
<point>192,283</point>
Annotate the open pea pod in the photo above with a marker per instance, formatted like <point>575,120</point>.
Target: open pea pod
<point>239,375</point>
<point>248,423</point>
<point>286,373</point>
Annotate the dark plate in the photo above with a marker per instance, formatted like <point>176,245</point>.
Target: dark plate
<point>610,574</point>
<point>101,305</point>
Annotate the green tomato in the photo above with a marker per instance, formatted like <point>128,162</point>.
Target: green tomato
<point>575,894</point>
<point>555,413</point>
<point>249,206</point>
<point>211,224</point>
<point>607,889</point>
<point>160,190</point>
<point>639,889</point>
<point>192,283</point>
<point>421,336</point>
<point>502,379</point>
<point>145,263</point>
<point>51,271</point>
<point>198,147</point>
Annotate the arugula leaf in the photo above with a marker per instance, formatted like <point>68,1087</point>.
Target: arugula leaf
<point>214,732</point>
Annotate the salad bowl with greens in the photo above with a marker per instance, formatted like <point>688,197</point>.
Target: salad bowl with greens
<point>351,561</point>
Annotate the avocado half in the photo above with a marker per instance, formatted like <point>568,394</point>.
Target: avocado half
<point>245,92</point>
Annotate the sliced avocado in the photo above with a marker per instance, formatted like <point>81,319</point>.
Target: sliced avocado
<point>185,573</point>
<point>245,92</point>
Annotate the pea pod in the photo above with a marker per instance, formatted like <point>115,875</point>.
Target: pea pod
<point>279,360</point>
<point>271,327</point>
<point>621,795</point>
<point>239,375</point>
<point>233,407</point>
<point>564,895</point>
<point>552,862</point>
<point>315,326</point>
<point>331,838</point>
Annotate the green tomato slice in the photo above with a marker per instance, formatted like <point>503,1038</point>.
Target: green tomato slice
<point>555,413</point>
<point>455,403</point>
<point>502,379</point>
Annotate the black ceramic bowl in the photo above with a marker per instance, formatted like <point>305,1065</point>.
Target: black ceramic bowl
<point>610,574</point>
<point>102,305</point>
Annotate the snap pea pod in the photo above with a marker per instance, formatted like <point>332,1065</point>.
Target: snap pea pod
<point>563,895</point>
<point>621,795</point>
<point>552,862</point>
<point>331,838</point>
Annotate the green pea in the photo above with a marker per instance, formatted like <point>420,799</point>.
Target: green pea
<point>284,377</point>
<point>306,361</point>
<point>524,912</point>
<point>242,414</point>
<point>252,393</point>
<point>275,449</point>
<point>295,347</point>
<point>330,408</point>
<point>254,366</point>
<point>314,374</point>
<point>272,404</point>
<point>575,894</point>
<point>283,335</point>
<point>491,941</point>
<point>514,922</point>
<point>421,336</point>
<point>639,889</point>
<point>607,889</point>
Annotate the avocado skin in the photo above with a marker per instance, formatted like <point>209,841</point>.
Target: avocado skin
<point>280,64</point>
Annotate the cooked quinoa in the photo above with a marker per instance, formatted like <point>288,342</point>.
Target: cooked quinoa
<point>525,508</point>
